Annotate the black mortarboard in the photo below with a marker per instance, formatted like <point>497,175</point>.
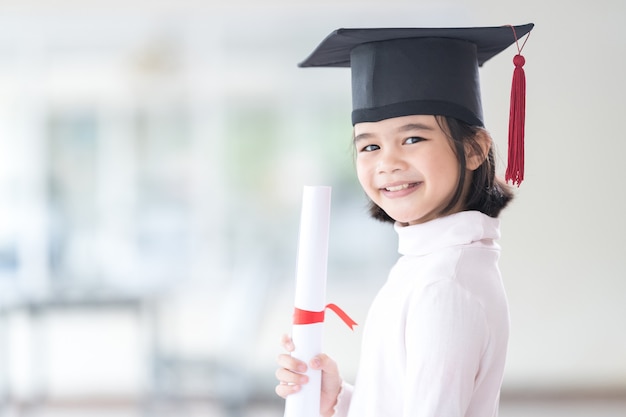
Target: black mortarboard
<point>405,71</point>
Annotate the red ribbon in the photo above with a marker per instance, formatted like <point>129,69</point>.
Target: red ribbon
<point>310,317</point>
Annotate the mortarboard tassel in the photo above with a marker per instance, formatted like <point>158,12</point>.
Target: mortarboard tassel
<point>517,115</point>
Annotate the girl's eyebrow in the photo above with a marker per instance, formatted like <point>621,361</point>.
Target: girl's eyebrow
<point>415,126</point>
<point>362,136</point>
<point>404,128</point>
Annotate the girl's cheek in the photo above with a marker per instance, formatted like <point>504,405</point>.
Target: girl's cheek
<point>361,176</point>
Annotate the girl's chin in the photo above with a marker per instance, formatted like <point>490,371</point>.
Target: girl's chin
<point>405,220</point>
<point>408,220</point>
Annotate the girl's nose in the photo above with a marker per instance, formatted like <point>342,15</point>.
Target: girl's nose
<point>390,161</point>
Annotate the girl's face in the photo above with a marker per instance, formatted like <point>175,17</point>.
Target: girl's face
<point>407,167</point>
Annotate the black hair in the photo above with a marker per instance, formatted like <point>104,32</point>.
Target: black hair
<point>487,193</point>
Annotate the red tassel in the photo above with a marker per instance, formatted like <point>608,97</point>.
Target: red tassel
<point>517,115</point>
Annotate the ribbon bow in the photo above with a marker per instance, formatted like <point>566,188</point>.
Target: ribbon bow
<point>310,317</point>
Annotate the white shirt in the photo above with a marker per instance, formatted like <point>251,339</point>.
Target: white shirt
<point>435,339</point>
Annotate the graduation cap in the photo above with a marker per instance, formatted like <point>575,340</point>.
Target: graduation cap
<point>434,71</point>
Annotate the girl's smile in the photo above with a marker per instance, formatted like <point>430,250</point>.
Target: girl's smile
<point>407,166</point>
<point>394,191</point>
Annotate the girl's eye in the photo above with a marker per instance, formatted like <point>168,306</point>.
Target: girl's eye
<point>413,139</point>
<point>370,148</point>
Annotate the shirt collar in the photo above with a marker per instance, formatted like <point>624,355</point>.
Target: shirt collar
<point>461,228</point>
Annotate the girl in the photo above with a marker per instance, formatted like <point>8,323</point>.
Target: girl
<point>436,335</point>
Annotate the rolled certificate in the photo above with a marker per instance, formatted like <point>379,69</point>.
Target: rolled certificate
<point>310,296</point>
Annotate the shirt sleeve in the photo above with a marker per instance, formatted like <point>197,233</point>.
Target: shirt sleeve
<point>446,334</point>
<point>343,400</point>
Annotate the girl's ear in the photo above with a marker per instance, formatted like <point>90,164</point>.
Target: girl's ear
<point>477,150</point>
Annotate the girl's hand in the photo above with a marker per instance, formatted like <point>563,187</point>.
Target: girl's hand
<point>290,371</point>
<point>291,378</point>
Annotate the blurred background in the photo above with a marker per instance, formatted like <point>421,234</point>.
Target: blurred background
<point>152,159</point>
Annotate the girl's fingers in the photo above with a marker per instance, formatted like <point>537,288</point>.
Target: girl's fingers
<point>291,363</point>
<point>287,343</point>
<point>291,370</point>
<point>324,363</point>
<point>290,381</point>
<point>285,376</point>
<point>283,390</point>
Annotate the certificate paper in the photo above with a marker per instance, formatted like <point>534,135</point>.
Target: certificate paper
<point>310,295</point>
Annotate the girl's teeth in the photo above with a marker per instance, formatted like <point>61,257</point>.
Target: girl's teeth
<point>397,187</point>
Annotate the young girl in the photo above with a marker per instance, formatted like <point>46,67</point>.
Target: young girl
<point>435,339</point>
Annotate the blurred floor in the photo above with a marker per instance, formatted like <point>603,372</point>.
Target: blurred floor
<point>563,408</point>
<point>543,408</point>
